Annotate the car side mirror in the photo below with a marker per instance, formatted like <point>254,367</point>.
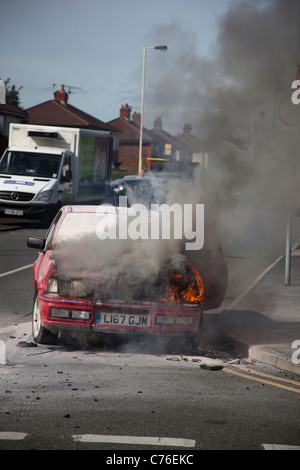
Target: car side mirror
<point>36,242</point>
<point>68,176</point>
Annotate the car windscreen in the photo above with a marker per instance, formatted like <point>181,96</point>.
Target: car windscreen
<point>30,164</point>
<point>108,224</point>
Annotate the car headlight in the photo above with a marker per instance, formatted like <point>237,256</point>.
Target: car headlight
<point>44,196</point>
<point>52,285</point>
<point>56,312</point>
<point>118,189</point>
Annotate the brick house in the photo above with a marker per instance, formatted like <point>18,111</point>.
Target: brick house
<point>57,112</point>
<point>127,156</point>
<point>198,150</point>
<point>175,151</point>
<point>9,114</point>
<point>160,149</point>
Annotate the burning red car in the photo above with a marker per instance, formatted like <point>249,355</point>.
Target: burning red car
<point>86,282</point>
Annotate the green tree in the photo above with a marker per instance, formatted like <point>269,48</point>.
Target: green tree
<point>12,93</point>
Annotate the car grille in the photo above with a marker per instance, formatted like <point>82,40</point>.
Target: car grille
<point>16,196</point>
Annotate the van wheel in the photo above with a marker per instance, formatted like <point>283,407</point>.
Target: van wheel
<point>39,333</point>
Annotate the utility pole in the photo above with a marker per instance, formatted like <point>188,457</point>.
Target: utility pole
<point>290,208</point>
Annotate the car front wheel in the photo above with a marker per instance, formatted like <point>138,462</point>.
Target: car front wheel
<point>39,333</point>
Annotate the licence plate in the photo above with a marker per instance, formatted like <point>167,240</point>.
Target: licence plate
<point>12,212</point>
<point>119,319</point>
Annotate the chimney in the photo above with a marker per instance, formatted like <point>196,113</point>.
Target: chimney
<point>125,111</point>
<point>61,95</point>
<point>158,124</point>
<point>136,118</point>
<point>187,129</point>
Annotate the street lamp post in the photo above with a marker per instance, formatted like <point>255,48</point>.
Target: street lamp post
<point>160,48</point>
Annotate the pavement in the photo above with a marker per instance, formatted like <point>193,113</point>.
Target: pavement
<point>264,321</point>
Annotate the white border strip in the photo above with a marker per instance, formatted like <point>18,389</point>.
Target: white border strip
<point>13,271</point>
<point>141,440</point>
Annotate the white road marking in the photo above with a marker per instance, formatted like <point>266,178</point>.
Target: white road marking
<point>257,279</point>
<point>13,271</point>
<point>250,287</point>
<point>12,436</point>
<point>280,447</point>
<point>141,440</point>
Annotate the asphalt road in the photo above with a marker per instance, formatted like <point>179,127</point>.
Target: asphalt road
<point>70,398</point>
<point>137,396</point>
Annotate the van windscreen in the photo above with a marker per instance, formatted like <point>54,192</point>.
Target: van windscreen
<point>30,164</point>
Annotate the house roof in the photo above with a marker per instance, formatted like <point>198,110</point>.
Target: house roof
<point>165,136</point>
<point>12,110</point>
<point>58,113</point>
<point>131,131</point>
<point>190,140</point>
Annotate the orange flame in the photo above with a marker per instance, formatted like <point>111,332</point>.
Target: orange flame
<point>179,290</point>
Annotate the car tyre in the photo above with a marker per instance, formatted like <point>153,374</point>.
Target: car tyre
<point>39,333</point>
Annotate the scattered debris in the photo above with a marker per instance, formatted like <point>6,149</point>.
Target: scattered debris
<point>206,358</point>
<point>211,366</point>
<point>27,344</point>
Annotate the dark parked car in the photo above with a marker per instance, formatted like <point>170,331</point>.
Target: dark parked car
<point>135,188</point>
<point>147,190</point>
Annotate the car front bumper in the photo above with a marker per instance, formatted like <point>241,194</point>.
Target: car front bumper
<point>118,317</point>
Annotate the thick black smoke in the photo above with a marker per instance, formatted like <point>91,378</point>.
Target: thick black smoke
<point>232,98</point>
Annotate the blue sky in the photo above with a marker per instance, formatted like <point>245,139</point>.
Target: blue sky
<point>97,46</point>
